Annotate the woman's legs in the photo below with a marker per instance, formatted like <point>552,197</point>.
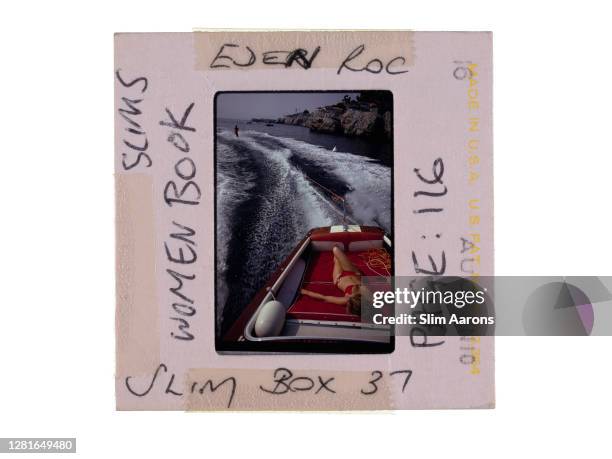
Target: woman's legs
<point>343,260</point>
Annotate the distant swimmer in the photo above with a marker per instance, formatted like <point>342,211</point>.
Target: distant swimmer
<point>236,130</point>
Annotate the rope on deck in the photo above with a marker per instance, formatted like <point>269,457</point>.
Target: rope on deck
<point>378,261</point>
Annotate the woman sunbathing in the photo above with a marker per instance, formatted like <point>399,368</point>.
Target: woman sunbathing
<point>348,280</point>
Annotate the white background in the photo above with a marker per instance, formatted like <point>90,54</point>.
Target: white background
<point>552,201</point>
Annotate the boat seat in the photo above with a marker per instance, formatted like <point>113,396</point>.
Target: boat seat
<point>322,264</point>
<point>318,278</point>
<point>307,308</point>
<point>346,237</point>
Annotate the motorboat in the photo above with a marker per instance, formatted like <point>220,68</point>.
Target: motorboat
<point>280,318</point>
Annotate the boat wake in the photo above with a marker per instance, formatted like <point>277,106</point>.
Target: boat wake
<point>270,192</point>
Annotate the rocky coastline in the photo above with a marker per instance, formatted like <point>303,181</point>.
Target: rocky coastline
<point>368,116</point>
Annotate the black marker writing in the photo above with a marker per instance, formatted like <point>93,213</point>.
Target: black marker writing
<point>286,382</point>
<point>136,140</point>
<point>378,375</point>
<point>374,65</point>
<point>185,190</point>
<point>169,387</point>
<point>233,55</point>
<point>180,247</point>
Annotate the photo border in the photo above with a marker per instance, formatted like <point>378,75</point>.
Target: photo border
<point>246,347</point>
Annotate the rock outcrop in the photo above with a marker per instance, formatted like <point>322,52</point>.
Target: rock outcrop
<point>359,123</point>
<point>368,116</point>
<point>325,119</point>
<point>297,119</point>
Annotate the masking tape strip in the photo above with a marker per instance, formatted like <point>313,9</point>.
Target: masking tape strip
<point>137,328</point>
<point>285,390</point>
<point>242,50</point>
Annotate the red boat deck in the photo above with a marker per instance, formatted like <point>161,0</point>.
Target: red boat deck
<point>318,278</point>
